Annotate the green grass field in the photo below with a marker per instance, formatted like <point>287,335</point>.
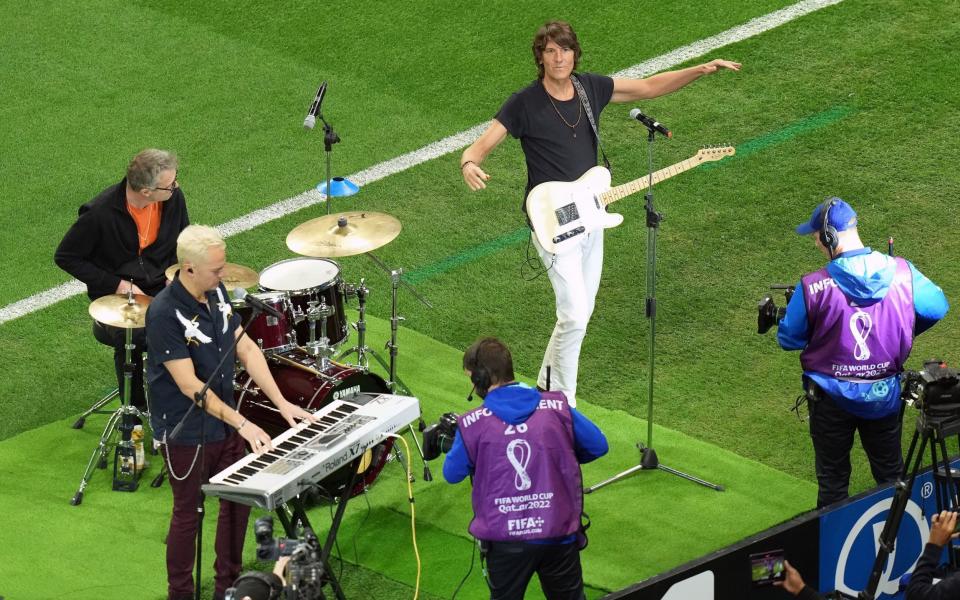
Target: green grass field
<point>856,100</point>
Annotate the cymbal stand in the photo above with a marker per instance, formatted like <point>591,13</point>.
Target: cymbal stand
<point>361,348</point>
<point>394,381</point>
<point>126,471</point>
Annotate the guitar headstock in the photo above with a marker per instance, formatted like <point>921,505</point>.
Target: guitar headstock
<point>714,153</point>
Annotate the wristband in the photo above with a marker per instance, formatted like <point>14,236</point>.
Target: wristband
<point>240,426</point>
<point>465,163</point>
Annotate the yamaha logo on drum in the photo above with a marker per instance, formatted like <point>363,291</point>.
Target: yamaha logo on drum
<point>344,393</point>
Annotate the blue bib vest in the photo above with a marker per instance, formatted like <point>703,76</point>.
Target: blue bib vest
<point>527,483</point>
<point>858,343</point>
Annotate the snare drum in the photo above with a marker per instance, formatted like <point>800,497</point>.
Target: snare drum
<point>305,280</point>
<point>269,332</point>
<point>298,379</point>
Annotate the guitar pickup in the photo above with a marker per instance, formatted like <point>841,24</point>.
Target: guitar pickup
<point>569,234</point>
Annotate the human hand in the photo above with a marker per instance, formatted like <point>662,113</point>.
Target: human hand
<point>944,528</point>
<point>124,288</point>
<point>793,582</point>
<point>290,412</point>
<point>714,65</point>
<point>257,438</point>
<point>280,568</point>
<point>474,176</point>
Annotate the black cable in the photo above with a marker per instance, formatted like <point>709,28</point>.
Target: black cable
<point>534,263</point>
<point>473,556</point>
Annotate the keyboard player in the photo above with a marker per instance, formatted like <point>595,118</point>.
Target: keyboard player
<point>190,327</point>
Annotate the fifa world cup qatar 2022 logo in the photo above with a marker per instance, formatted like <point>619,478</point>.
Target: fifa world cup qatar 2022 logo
<point>860,325</point>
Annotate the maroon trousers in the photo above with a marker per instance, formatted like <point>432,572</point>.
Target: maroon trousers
<point>231,524</point>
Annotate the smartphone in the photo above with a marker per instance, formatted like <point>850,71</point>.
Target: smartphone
<point>767,567</point>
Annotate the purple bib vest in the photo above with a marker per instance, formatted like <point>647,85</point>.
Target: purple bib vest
<point>858,343</point>
<point>527,483</point>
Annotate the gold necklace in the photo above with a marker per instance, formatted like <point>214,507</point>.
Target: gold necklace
<point>143,238</point>
<point>565,122</point>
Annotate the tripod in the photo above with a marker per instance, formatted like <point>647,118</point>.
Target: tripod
<point>933,427</point>
<point>648,456</point>
<point>394,382</point>
<point>126,471</point>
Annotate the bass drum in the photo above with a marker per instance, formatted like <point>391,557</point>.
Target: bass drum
<point>302,384</point>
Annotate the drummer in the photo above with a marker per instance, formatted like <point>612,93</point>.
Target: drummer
<point>190,327</point>
<point>123,239</point>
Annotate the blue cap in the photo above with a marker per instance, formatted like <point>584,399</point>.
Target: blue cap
<point>842,217</point>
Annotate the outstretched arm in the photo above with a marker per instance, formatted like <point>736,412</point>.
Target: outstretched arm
<point>631,90</point>
<point>474,155</point>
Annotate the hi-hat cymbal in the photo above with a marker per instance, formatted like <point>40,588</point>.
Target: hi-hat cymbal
<point>234,276</point>
<point>117,311</point>
<point>343,234</point>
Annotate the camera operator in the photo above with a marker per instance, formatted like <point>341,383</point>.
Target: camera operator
<point>523,449</point>
<point>921,585</point>
<point>854,321</point>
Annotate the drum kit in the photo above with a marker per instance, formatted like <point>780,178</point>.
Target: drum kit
<point>306,346</point>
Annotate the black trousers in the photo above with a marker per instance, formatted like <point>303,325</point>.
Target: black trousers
<point>832,429</point>
<point>511,565</point>
<point>115,337</point>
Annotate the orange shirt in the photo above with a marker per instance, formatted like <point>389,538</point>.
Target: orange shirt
<point>148,222</point>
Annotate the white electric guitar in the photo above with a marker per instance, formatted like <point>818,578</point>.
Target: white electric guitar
<point>560,211</point>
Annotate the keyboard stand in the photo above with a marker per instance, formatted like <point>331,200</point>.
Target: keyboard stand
<point>298,517</point>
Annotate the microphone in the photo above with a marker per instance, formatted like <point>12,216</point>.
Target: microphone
<point>651,124</point>
<point>256,303</point>
<point>470,395</point>
<point>311,119</point>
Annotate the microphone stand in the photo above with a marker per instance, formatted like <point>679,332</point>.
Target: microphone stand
<point>648,456</point>
<point>330,138</point>
<point>200,398</point>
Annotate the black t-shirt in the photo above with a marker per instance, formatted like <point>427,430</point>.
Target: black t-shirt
<point>552,152</point>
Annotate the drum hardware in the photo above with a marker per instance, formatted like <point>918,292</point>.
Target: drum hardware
<point>360,326</point>
<point>319,348</point>
<point>302,281</point>
<point>127,311</point>
<point>396,384</point>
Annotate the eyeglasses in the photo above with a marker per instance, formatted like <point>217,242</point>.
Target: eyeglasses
<point>174,185</point>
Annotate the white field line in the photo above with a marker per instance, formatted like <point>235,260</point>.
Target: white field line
<point>439,148</point>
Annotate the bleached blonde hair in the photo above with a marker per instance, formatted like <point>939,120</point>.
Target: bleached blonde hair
<point>194,242</point>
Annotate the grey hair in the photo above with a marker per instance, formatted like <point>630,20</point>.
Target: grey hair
<point>145,168</point>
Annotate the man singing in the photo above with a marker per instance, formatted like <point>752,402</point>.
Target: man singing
<point>190,328</point>
<point>558,143</point>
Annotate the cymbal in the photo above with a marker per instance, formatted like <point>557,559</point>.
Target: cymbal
<point>343,234</point>
<point>116,310</point>
<point>234,276</point>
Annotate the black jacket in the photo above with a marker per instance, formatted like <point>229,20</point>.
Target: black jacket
<point>102,247</point>
<point>921,585</point>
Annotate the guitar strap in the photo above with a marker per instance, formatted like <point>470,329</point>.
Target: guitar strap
<point>593,125</point>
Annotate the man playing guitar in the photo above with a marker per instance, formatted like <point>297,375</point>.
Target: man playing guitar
<point>548,117</point>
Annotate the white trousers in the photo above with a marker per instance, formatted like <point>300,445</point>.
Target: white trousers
<point>575,277</point>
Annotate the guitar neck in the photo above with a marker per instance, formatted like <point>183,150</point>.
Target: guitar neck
<point>641,183</point>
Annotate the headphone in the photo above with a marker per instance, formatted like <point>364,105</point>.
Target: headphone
<point>479,376</point>
<point>829,236</point>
